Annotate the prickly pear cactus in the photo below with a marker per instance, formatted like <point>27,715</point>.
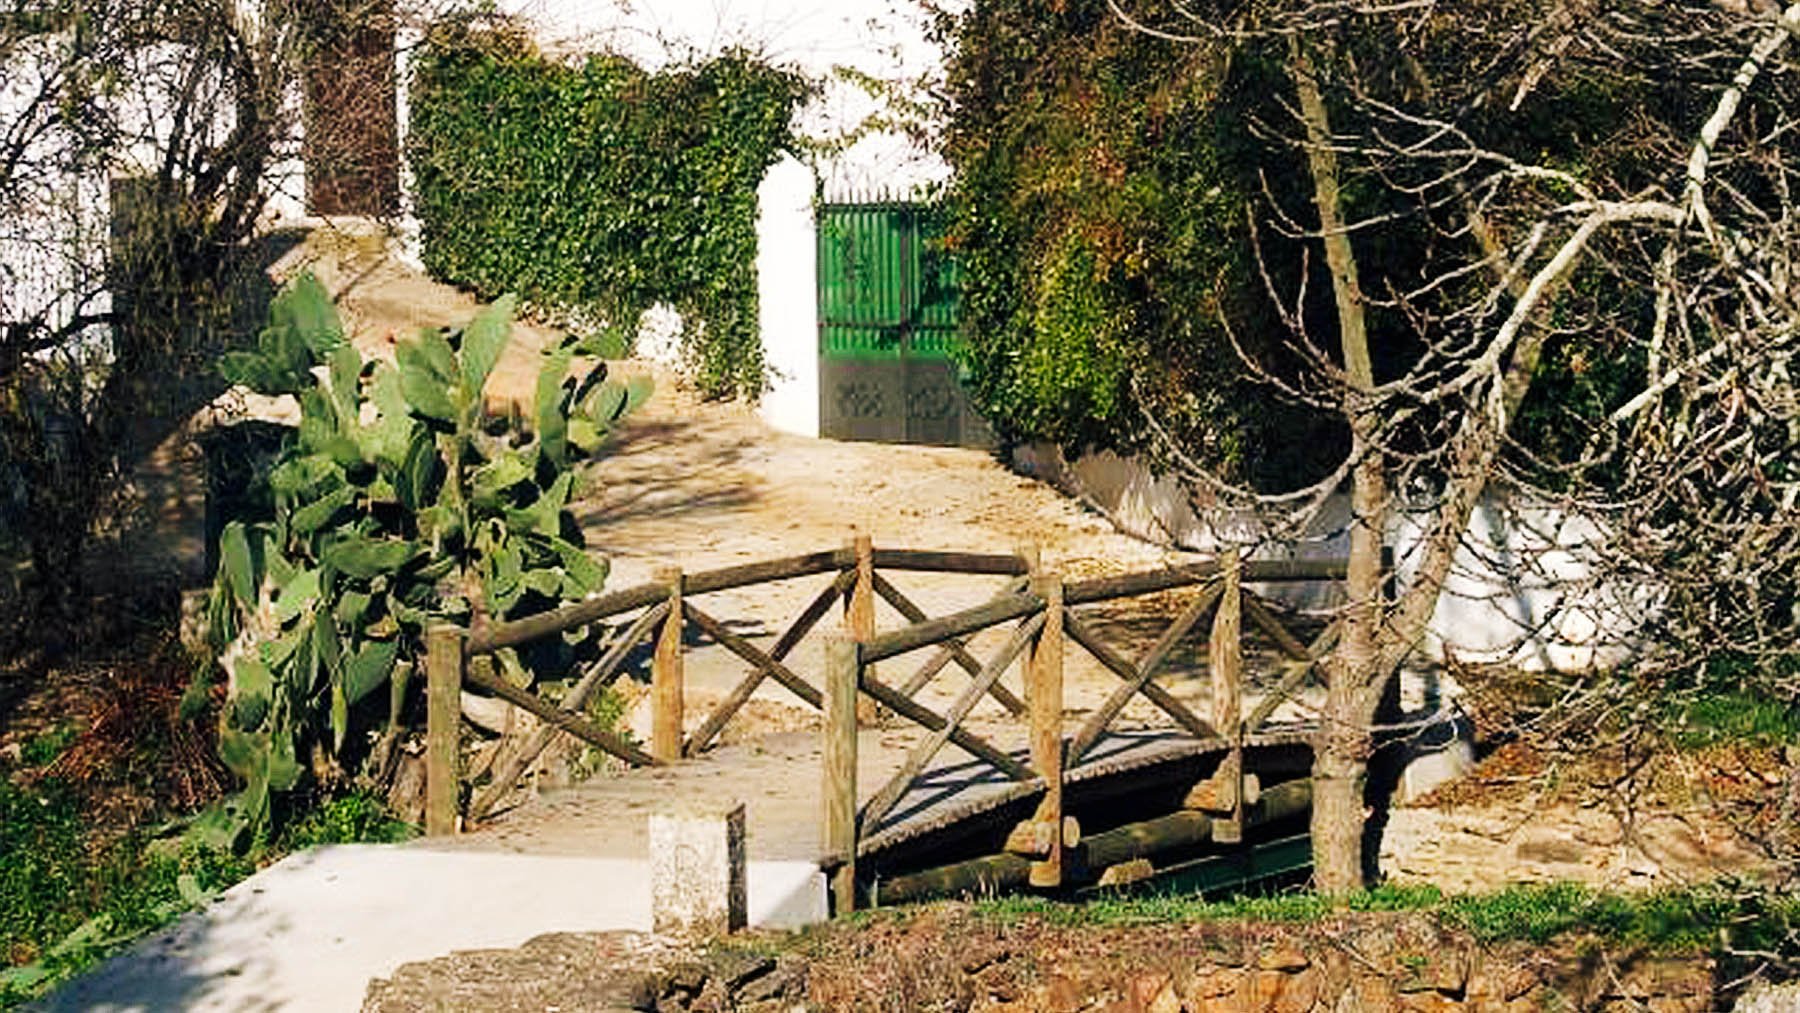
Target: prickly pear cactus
<point>399,501</point>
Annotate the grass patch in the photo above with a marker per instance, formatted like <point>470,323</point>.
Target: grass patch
<point>1734,718</point>
<point>1292,907</point>
<point>1680,919</point>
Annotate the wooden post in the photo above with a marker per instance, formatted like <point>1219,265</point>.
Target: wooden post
<point>859,613</point>
<point>843,661</point>
<point>1044,697</point>
<point>1226,656</point>
<point>443,726</point>
<point>666,676</point>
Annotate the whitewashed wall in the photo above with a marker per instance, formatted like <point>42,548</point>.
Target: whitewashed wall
<point>1520,590</point>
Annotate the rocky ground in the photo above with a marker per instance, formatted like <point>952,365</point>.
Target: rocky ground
<point>947,958</point>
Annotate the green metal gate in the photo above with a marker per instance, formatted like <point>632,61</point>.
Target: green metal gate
<point>887,326</point>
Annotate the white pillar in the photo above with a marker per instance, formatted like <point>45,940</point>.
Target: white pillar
<point>786,283</point>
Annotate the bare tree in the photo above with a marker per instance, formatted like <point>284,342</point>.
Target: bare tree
<point>1658,244</point>
<point>141,143</point>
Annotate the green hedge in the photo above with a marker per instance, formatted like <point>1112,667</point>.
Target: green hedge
<point>600,184</point>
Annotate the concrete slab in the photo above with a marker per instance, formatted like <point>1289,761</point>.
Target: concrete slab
<point>310,931</point>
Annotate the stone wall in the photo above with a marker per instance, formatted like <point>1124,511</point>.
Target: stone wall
<point>946,958</point>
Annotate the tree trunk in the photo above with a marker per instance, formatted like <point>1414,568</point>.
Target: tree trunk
<point>1341,752</point>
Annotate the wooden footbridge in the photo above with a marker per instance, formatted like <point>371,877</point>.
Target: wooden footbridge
<point>1032,798</point>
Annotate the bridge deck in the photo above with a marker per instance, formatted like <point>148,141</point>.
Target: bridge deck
<point>779,780</point>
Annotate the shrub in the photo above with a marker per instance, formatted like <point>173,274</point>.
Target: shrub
<point>400,501</point>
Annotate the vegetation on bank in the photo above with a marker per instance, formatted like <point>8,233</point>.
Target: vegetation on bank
<point>74,889</point>
<point>1739,917</point>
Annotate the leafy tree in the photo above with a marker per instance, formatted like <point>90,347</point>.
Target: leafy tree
<point>400,501</point>
<point>1526,246</point>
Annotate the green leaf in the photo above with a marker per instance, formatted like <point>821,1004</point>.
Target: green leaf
<point>585,573</point>
<point>238,562</point>
<point>498,475</point>
<point>610,343</point>
<point>416,481</point>
<point>545,582</point>
<point>351,607</point>
<point>284,767</point>
<point>552,419</point>
<point>369,668</point>
<point>584,434</point>
<point>305,308</point>
<point>346,384</point>
<point>243,752</point>
<point>318,513</point>
<point>297,593</point>
<point>388,438</point>
<point>426,391</point>
<point>484,339</point>
<point>327,648</point>
<point>340,717</point>
<point>364,558</point>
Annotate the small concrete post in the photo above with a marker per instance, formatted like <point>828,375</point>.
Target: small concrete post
<point>444,660</point>
<point>1225,651</point>
<point>697,870</point>
<point>666,675</point>
<point>843,659</point>
<point>1044,697</point>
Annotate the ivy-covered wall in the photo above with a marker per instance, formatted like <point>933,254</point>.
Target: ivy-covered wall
<point>599,184</point>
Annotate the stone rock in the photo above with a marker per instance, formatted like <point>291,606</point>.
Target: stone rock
<point>1283,958</point>
<point>1763,997</point>
<point>733,968</point>
<point>786,981</point>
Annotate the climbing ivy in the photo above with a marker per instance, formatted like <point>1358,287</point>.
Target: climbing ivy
<point>601,185</point>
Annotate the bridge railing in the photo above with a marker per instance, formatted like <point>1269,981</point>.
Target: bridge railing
<point>661,613</point>
<point>1040,608</point>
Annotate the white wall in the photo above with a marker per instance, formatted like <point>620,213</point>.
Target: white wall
<point>1520,589</point>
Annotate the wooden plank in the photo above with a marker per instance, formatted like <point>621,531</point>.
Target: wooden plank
<point>1272,571</point>
<point>667,677</point>
<point>1262,616</point>
<point>1225,654</point>
<point>766,572</point>
<point>1290,682</point>
<point>949,562</point>
<point>925,749</point>
<point>748,651</point>
<point>979,876</point>
<point>574,724</point>
<point>839,748</point>
<point>931,721</point>
<point>953,649</point>
<point>1045,693</point>
<point>1083,634</point>
<point>944,654</point>
<point>859,614</point>
<point>956,624</point>
<point>443,727</point>
<point>597,676</point>
<point>1097,723</point>
<point>740,694</point>
<point>582,613</point>
<point>1033,837</point>
<point>556,621</point>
